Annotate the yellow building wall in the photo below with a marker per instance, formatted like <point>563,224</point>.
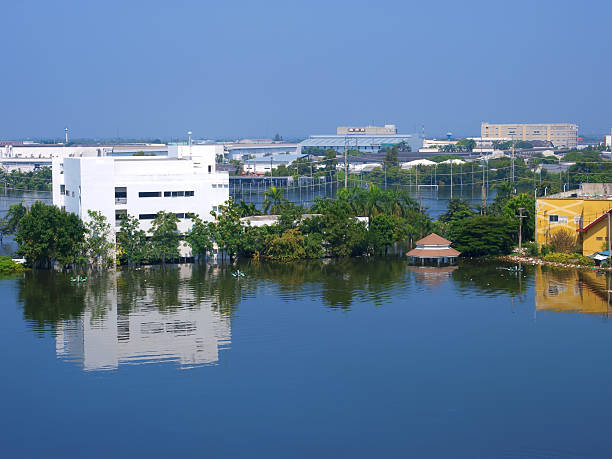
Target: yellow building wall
<point>595,239</point>
<point>573,214</point>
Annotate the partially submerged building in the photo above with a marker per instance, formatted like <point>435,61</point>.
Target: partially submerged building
<point>185,184</point>
<point>583,212</point>
<point>433,249</point>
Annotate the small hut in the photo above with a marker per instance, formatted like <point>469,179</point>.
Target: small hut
<point>434,249</point>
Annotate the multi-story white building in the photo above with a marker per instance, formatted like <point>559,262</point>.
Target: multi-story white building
<point>184,183</point>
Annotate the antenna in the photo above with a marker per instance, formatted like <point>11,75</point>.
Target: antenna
<point>66,135</point>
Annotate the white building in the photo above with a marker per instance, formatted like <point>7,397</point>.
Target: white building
<point>266,163</point>
<point>141,186</point>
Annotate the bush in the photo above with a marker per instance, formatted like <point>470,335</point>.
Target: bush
<point>8,266</point>
<point>563,241</point>
<point>544,250</point>
<point>532,249</point>
<point>569,258</point>
<point>484,235</point>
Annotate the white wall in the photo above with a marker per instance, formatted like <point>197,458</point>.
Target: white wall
<point>91,183</point>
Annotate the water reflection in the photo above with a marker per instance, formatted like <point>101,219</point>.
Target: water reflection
<point>184,313</point>
<point>569,290</point>
<point>138,316</point>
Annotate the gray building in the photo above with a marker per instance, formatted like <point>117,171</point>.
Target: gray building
<point>362,142</point>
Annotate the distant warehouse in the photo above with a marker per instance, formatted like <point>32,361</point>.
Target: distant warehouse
<point>366,139</point>
<point>560,134</point>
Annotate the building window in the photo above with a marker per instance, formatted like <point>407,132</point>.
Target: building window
<point>189,215</point>
<point>189,193</point>
<point>120,195</point>
<point>62,189</point>
<point>176,194</point>
<point>147,216</point>
<point>215,209</point>
<point>149,194</point>
<point>120,215</point>
<point>553,218</point>
<point>214,185</point>
<point>167,194</point>
<point>209,169</point>
<point>180,215</point>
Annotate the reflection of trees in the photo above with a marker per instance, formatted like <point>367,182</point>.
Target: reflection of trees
<point>339,279</point>
<point>485,276</point>
<point>48,297</point>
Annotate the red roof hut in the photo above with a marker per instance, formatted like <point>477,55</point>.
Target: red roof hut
<point>433,248</point>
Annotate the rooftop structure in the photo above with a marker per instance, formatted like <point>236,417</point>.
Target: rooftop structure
<point>387,129</point>
<point>433,248</point>
<point>559,134</point>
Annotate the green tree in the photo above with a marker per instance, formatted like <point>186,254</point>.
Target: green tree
<point>228,229</point>
<point>484,235</point>
<point>391,157</point>
<point>133,244</point>
<point>457,209</point>
<point>330,161</point>
<point>273,200</point>
<point>98,240</point>
<point>47,235</point>
<point>200,238</point>
<point>13,217</point>
<point>165,236</point>
<point>385,230</point>
<point>511,211</point>
<point>466,144</point>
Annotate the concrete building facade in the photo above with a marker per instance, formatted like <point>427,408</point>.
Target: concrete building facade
<point>560,134</point>
<point>141,187</point>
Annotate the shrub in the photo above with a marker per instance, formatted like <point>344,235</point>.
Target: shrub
<point>569,258</point>
<point>544,250</point>
<point>8,266</point>
<point>563,241</point>
<point>532,248</point>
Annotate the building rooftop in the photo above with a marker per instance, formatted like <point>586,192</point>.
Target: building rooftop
<point>277,158</point>
<point>586,191</point>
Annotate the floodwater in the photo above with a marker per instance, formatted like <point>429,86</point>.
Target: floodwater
<point>357,358</point>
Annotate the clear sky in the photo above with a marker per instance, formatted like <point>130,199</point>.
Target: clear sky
<point>255,68</point>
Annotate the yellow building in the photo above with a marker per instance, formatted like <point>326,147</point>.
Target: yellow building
<point>583,212</point>
<point>559,134</point>
<point>572,291</point>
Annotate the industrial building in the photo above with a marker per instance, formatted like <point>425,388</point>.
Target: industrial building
<point>265,164</point>
<point>371,140</point>
<point>561,135</point>
<point>243,151</point>
<point>184,183</point>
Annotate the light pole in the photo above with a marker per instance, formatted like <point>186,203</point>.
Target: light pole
<point>189,134</point>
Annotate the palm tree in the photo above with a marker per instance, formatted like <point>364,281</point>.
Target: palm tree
<point>273,200</point>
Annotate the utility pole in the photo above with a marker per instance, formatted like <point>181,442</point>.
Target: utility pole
<point>345,162</point>
<point>451,164</point>
<point>520,237</point>
<point>609,254</point>
<point>512,158</point>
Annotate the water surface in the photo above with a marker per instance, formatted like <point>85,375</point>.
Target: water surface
<point>358,358</point>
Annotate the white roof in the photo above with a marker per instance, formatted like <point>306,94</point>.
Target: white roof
<point>453,161</point>
<point>418,162</point>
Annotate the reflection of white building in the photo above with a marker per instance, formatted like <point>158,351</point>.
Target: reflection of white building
<point>188,334</point>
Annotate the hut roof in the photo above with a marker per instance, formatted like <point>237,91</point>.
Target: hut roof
<point>433,239</point>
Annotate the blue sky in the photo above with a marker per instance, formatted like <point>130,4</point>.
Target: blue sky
<point>244,69</point>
